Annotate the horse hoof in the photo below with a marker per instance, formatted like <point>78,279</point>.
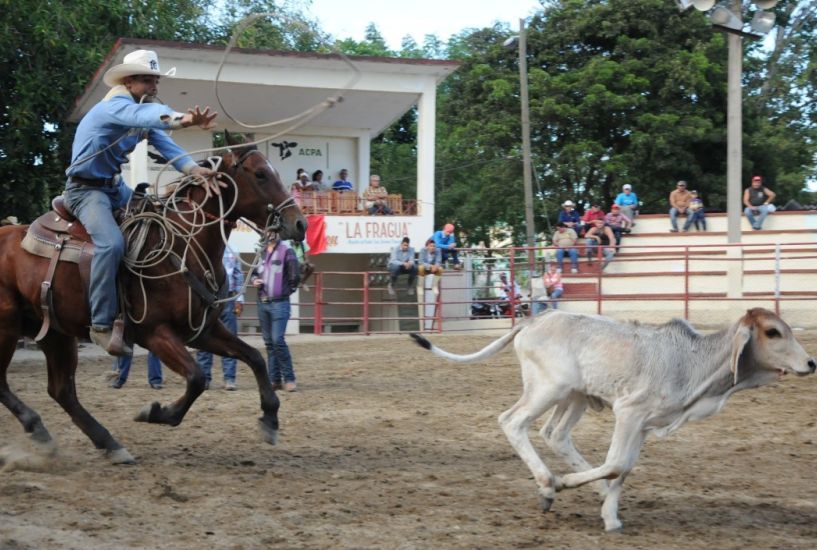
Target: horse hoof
<point>269,435</point>
<point>149,413</point>
<point>120,456</point>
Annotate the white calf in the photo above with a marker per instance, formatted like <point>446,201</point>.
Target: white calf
<point>655,378</point>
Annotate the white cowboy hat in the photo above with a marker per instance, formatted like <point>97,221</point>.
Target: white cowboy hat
<point>568,203</point>
<point>138,62</point>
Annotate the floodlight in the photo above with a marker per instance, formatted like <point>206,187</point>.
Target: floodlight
<point>510,41</point>
<point>765,4</point>
<point>704,5</point>
<point>724,17</point>
<point>762,22</point>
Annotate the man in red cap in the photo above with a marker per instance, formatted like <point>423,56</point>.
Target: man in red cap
<point>758,202</point>
<point>618,223</point>
<point>447,244</point>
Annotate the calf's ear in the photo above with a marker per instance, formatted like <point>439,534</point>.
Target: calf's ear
<point>739,341</point>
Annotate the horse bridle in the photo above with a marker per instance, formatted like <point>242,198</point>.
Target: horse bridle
<point>274,215</point>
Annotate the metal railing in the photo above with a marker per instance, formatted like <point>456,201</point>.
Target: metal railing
<point>680,276</point>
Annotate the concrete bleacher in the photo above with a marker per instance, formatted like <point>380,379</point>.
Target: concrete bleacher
<point>656,269</point>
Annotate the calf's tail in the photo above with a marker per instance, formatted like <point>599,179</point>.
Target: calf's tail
<point>489,350</point>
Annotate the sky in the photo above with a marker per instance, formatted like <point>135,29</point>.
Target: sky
<point>397,18</point>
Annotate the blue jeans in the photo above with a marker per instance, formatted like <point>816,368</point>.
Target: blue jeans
<point>94,206</point>
<point>673,216</point>
<point>574,257</point>
<point>607,251</point>
<point>399,269</point>
<point>273,318</point>
<point>205,358</point>
<point>450,254</point>
<point>122,365</point>
<point>541,305</point>
<point>757,222</point>
<point>698,218</point>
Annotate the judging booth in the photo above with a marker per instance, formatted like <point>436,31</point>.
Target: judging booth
<point>257,87</point>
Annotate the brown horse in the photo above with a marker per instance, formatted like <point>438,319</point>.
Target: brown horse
<point>162,302</point>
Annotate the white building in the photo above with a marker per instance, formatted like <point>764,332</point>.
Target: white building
<point>260,86</point>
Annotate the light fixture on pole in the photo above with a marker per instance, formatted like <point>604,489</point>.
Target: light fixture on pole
<point>527,175</point>
<point>727,16</point>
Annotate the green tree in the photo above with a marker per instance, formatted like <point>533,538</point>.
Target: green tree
<point>48,50</point>
<point>621,91</point>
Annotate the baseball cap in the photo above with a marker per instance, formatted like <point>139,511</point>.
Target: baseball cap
<point>615,206</point>
<point>681,183</point>
<point>627,186</point>
<point>757,178</point>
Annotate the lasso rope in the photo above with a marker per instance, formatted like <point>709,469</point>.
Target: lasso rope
<point>138,224</point>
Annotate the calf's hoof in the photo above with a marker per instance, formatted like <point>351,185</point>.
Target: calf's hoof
<point>546,501</point>
<point>613,526</point>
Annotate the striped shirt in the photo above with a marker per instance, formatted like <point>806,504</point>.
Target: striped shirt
<point>279,272</point>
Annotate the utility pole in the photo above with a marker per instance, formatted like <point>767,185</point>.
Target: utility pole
<point>526,160</point>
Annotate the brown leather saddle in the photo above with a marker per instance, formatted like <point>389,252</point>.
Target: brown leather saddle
<point>60,237</point>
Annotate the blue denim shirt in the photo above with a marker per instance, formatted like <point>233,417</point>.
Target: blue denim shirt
<point>235,279</point>
<point>110,120</point>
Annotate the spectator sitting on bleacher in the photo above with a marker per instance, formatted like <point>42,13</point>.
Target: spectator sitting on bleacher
<point>618,223</point>
<point>570,217</point>
<point>679,204</point>
<point>565,240</point>
<point>430,263</point>
<point>593,213</point>
<point>758,202</point>
<point>447,243</point>
<point>402,261</point>
<point>343,184</point>
<point>600,235</point>
<point>375,198</point>
<point>696,207</point>
<point>628,202</point>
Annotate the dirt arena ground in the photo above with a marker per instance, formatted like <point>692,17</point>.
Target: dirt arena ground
<point>386,446</point>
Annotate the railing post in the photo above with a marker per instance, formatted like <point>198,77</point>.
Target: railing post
<point>512,293</point>
<point>366,303</point>
<point>318,328</point>
<point>686,283</point>
<point>777,278</point>
<point>599,262</point>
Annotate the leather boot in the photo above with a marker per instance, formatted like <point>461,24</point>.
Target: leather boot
<point>111,339</point>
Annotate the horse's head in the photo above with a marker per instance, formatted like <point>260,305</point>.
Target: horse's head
<point>262,197</point>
